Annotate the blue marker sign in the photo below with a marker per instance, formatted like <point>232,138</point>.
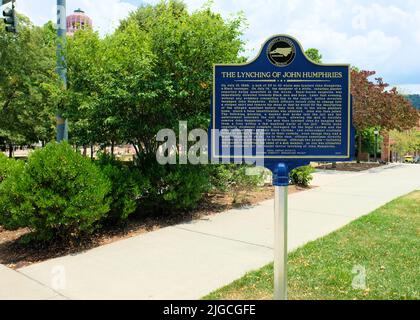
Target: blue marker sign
<point>287,111</point>
<point>298,111</point>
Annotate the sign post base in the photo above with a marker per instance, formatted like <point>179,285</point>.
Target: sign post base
<point>280,243</point>
<point>281,185</point>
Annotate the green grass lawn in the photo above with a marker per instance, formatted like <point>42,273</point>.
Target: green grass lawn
<point>386,243</point>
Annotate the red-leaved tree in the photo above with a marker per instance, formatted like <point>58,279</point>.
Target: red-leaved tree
<point>375,106</point>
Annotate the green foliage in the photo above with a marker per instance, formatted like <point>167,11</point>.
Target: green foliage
<point>405,142</point>
<point>29,87</point>
<point>8,168</point>
<point>184,186</point>
<point>234,178</point>
<point>173,188</point>
<point>368,140</point>
<point>58,194</point>
<point>314,55</point>
<point>128,186</point>
<point>302,176</point>
<point>153,72</point>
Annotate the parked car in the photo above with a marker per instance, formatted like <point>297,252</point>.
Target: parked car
<point>409,159</point>
<point>417,159</point>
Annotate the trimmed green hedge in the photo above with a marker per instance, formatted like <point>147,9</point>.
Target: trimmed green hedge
<point>58,194</point>
<point>128,187</point>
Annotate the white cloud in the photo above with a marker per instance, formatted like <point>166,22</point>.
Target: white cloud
<point>105,14</point>
<point>377,35</point>
<point>408,88</point>
<point>374,35</point>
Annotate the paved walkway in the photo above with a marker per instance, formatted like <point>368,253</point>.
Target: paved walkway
<point>190,260</point>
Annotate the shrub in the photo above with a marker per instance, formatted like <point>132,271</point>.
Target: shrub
<point>235,178</point>
<point>127,187</point>
<point>184,186</point>
<point>173,188</point>
<point>59,194</point>
<point>8,168</point>
<point>4,165</point>
<point>302,176</point>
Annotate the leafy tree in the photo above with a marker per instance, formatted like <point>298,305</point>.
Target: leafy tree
<point>374,106</point>
<point>106,76</point>
<point>29,87</point>
<point>184,48</point>
<point>314,55</point>
<point>154,71</point>
<point>405,142</point>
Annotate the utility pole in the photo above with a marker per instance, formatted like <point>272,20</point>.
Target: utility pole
<point>62,125</point>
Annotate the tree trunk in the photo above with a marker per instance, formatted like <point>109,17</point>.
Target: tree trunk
<point>10,150</point>
<point>84,151</point>
<point>112,148</point>
<point>359,148</point>
<point>136,149</point>
<point>91,152</point>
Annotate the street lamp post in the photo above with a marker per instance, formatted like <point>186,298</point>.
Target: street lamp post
<point>376,145</point>
<point>62,125</point>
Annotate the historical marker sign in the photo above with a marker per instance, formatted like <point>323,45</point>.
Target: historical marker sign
<point>304,108</point>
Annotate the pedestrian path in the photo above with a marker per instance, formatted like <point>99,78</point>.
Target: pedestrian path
<point>15,285</point>
<point>190,260</point>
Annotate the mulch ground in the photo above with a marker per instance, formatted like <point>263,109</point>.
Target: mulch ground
<point>15,254</point>
<point>350,166</point>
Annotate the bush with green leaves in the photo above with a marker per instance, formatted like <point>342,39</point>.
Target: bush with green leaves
<point>128,186</point>
<point>4,165</point>
<point>173,188</point>
<point>184,186</point>
<point>8,168</point>
<point>235,178</point>
<point>302,176</point>
<point>58,194</point>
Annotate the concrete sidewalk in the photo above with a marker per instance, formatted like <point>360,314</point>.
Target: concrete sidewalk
<point>15,285</point>
<point>190,260</point>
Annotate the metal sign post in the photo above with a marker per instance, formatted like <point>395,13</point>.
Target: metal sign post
<point>280,243</point>
<point>304,111</point>
<point>281,185</point>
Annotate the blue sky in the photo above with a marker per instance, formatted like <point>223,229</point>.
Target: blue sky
<point>381,35</point>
